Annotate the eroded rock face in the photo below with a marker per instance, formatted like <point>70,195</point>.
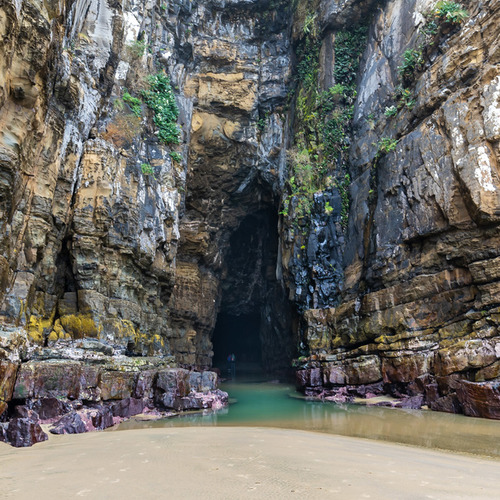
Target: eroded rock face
<point>23,432</point>
<point>235,169</point>
<point>81,225</point>
<point>93,391</point>
<point>80,421</point>
<point>8,372</point>
<point>420,296</point>
<point>110,237</point>
<point>94,245</point>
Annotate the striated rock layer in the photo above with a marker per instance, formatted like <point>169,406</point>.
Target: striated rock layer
<point>82,386</point>
<point>419,309</point>
<point>382,271</point>
<point>108,232</point>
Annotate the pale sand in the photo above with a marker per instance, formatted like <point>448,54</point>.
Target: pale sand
<point>238,463</point>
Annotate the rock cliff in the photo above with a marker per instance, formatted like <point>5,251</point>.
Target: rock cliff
<point>418,311</point>
<point>327,166</point>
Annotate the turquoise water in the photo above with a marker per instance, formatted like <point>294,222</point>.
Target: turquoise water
<point>279,405</point>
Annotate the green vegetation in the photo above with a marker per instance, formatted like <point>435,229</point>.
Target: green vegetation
<point>147,169</point>
<point>386,145</point>
<point>134,103</point>
<point>118,104</point>
<point>177,157</point>
<point>137,48</point>
<point>413,58</point>
<point>310,25</point>
<point>328,208</point>
<point>412,61</point>
<point>262,122</point>
<point>391,111</point>
<point>404,97</point>
<point>343,187</point>
<point>308,66</point>
<point>451,12</point>
<point>349,46</point>
<point>323,122</point>
<point>161,100</point>
<point>303,184</point>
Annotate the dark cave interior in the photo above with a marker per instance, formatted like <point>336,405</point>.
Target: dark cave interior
<point>238,335</point>
<point>255,317</point>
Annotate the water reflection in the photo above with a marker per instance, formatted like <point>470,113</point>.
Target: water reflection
<point>277,405</point>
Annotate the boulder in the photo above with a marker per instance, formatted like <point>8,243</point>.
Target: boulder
<point>86,420</point>
<point>24,411</point>
<point>412,403</point>
<point>50,408</point>
<point>333,375</point>
<point>72,423</point>
<point>208,381</point>
<point>310,377</point>
<point>167,380</point>
<point>480,399</point>
<point>127,407</point>
<point>177,380</point>
<point>167,400</point>
<point>448,404</point>
<point>22,432</point>
<point>193,401</point>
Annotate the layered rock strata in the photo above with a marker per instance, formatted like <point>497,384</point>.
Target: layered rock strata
<point>419,309</point>
<point>84,387</point>
<point>382,271</point>
<point>88,239</point>
<point>108,233</point>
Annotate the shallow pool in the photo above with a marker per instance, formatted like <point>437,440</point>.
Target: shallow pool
<point>279,405</point>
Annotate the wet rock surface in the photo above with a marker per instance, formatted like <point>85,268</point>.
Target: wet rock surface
<point>78,390</point>
<point>480,399</point>
<point>85,420</point>
<point>419,306</point>
<point>22,432</point>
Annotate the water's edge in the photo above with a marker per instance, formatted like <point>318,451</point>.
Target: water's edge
<point>273,405</point>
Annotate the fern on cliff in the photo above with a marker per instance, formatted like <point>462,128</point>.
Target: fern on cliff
<point>161,100</point>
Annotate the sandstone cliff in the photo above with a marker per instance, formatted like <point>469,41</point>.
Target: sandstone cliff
<point>353,204</point>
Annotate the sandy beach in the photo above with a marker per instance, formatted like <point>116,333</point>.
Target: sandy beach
<point>237,463</point>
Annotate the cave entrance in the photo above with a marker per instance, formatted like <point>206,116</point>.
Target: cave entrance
<point>255,317</point>
<point>238,335</point>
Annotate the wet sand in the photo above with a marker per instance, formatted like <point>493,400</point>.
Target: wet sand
<point>238,463</point>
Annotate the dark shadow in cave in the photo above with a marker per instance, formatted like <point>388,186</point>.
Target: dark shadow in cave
<point>255,318</point>
<point>238,335</point>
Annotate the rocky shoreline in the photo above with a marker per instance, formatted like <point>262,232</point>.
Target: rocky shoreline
<point>83,386</point>
<point>428,391</point>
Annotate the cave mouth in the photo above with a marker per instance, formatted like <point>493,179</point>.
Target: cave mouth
<point>255,317</point>
<point>238,335</point>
